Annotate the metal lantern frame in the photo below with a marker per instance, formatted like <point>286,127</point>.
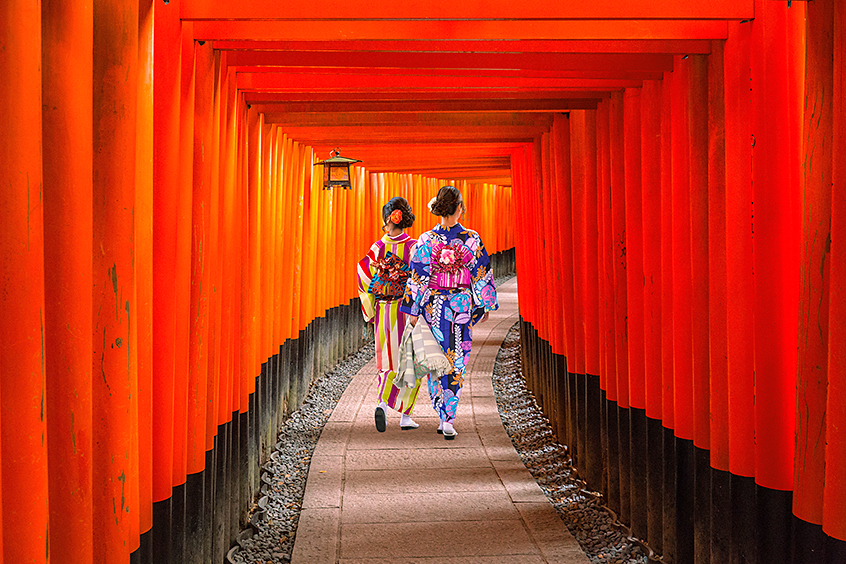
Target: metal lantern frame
<point>336,170</point>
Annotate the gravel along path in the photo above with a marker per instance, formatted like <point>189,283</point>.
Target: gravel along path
<point>270,539</point>
<point>601,536</point>
<point>274,520</point>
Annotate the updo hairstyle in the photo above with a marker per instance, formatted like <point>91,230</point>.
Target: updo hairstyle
<point>401,204</point>
<point>447,201</point>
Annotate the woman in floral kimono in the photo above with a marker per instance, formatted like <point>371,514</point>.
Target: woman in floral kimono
<point>381,283</point>
<point>451,285</point>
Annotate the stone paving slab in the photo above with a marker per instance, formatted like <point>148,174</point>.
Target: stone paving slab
<point>512,559</point>
<point>495,505</point>
<point>424,481</point>
<point>412,497</point>
<point>446,539</point>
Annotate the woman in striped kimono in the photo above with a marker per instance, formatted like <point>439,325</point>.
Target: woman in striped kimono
<point>381,284</point>
<point>451,285</point>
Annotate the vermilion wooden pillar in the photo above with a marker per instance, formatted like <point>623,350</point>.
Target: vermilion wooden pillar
<point>184,235</point>
<point>651,204</point>
<point>166,188</point>
<point>739,277</point>
<point>717,290</point>
<point>634,227</point>
<point>115,101</point>
<point>198,361</point>
<point>564,269</point>
<point>682,278</point>
<point>22,364</point>
<point>699,247</point>
<point>618,241</point>
<point>667,352</point>
<point>591,252</point>
<point>776,250</point>
<point>698,167</point>
<point>67,134</point>
<point>608,374</point>
<point>214,259</point>
<point>812,377</point>
<point>834,519</point>
<point>580,268</point>
<point>144,269</point>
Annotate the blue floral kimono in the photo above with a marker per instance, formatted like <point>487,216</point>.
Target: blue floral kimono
<point>451,286</point>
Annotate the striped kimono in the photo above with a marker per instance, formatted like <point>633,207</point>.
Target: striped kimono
<point>451,285</point>
<point>389,323</point>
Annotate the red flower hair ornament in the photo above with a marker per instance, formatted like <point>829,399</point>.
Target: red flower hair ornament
<point>395,217</point>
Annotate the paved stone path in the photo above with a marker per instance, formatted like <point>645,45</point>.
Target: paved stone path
<point>412,497</point>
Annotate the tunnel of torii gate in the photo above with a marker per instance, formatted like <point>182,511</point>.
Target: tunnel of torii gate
<point>667,179</point>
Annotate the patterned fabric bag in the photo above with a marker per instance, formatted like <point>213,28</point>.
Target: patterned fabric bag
<point>388,282</point>
<point>420,355</point>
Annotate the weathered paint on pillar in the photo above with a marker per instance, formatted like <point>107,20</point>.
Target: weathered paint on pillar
<point>114,364</point>
<point>23,427</point>
<point>67,29</point>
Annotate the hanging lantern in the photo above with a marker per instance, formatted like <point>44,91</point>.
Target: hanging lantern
<point>336,170</point>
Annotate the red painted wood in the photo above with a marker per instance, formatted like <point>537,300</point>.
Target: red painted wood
<point>305,82</point>
<point>22,362</point>
<point>667,354</point>
<point>144,269</point>
<point>717,288</point>
<point>739,273</point>
<point>608,375</point>
<point>638,45</point>
<point>166,167</point>
<point>699,248</point>
<point>592,307</point>
<point>116,29</point>
<point>67,93</point>
<point>812,378</point>
<point>198,359</point>
<point>564,267</point>
<point>184,228</point>
<point>618,244</point>
<point>650,139</point>
<point>346,30</point>
<point>580,268</point>
<point>776,250</point>
<point>834,519</point>
<point>682,277</point>
<point>477,61</point>
<point>492,9</point>
<point>634,225</point>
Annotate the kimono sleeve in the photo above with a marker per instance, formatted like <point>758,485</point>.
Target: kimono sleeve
<point>417,285</point>
<point>366,270</point>
<point>484,290</point>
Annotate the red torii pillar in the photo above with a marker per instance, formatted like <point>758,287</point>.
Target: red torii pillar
<point>23,430</point>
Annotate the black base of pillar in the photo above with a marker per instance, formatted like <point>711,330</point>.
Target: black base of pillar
<point>638,456</point>
<point>775,525</point>
<point>721,516</point>
<point>162,531</point>
<point>655,484</point>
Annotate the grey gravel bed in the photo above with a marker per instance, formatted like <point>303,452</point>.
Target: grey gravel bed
<point>596,529</point>
<point>274,520</point>
<point>270,539</point>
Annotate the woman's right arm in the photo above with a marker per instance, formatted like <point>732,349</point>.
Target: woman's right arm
<point>366,270</point>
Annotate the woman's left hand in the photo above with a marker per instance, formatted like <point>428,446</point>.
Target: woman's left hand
<point>483,318</point>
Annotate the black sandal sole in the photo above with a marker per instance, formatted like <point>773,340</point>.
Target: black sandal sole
<point>380,420</point>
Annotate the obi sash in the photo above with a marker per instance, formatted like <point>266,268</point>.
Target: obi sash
<point>388,281</point>
<point>450,266</point>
